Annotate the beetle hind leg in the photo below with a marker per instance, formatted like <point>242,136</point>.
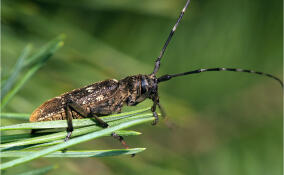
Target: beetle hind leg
<point>121,140</point>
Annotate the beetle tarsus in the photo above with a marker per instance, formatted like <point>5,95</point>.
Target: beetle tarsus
<point>156,118</point>
<point>68,136</point>
<point>153,109</point>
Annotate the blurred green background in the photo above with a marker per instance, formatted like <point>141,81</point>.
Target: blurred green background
<point>221,122</point>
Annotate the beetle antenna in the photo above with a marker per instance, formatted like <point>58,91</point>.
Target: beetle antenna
<point>168,77</point>
<point>157,64</point>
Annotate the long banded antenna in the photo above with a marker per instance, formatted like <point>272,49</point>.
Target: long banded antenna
<point>168,77</point>
<point>157,64</point>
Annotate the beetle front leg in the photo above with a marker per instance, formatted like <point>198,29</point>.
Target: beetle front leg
<point>161,109</point>
<point>156,101</point>
<point>153,109</point>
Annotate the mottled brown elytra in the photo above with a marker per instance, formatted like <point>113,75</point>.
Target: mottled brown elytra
<point>109,96</point>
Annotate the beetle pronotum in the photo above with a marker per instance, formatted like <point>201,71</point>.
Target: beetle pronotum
<point>109,96</point>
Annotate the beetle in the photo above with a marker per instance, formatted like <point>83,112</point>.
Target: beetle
<point>109,96</point>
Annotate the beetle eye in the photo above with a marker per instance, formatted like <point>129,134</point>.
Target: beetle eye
<point>144,86</point>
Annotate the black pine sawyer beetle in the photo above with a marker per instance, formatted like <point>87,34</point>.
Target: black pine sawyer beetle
<point>109,96</point>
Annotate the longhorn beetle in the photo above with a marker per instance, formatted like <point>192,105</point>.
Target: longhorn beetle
<point>109,96</point>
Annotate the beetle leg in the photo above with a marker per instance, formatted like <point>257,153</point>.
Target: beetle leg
<point>99,120</point>
<point>68,113</point>
<point>116,136</point>
<point>161,109</point>
<point>153,109</point>
<point>156,101</point>
<point>77,108</point>
<point>120,138</point>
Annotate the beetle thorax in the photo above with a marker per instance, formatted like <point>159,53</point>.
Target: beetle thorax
<point>139,88</point>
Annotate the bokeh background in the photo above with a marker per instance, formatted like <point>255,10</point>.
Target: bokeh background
<point>221,122</point>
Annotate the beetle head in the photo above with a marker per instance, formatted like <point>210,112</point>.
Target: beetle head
<point>140,87</point>
<point>148,87</point>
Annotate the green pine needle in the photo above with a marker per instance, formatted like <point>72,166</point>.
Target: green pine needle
<point>39,171</point>
<point>33,64</point>
<point>93,135</point>
<point>79,153</point>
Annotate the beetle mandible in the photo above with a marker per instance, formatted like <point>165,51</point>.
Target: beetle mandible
<point>109,96</point>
